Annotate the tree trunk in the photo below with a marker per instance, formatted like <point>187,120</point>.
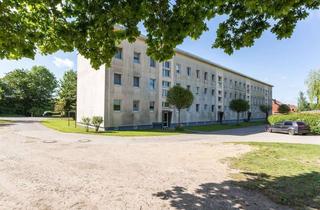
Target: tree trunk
<point>238,118</point>
<point>179,118</point>
<point>267,115</point>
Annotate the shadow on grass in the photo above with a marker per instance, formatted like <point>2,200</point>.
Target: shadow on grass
<point>300,191</point>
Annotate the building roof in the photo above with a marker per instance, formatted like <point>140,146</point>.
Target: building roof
<point>188,54</point>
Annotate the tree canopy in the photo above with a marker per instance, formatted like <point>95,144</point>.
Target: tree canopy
<point>31,26</point>
<point>284,109</point>
<point>303,104</point>
<point>239,105</point>
<point>265,109</point>
<point>67,95</point>
<point>28,91</point>
<point>180,97</point>
<point>313,88</point>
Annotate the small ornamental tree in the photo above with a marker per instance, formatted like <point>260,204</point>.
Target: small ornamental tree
<point>239,105</point>
<point>86,122</point>
<point>284,109</point>
<point>96,122</point>
<point>181,98</point>
<point>265,109</point>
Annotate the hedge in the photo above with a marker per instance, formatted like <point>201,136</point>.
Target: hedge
<point>312,119</point>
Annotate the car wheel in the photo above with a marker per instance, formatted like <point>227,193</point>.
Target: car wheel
<point>291,132</point>
<point>270,130</point>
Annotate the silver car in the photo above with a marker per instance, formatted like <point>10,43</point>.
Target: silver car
<point>290,127</point>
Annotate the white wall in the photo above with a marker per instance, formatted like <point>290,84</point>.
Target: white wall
<point>90,90</point>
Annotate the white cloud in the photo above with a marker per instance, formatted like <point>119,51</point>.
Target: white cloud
<point>63,63</point>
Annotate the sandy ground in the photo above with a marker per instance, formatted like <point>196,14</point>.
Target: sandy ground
<point>117,173</point>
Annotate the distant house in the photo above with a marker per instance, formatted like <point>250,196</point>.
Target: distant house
<point>276,104</point>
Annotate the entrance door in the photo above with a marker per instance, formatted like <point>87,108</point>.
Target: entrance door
<point>166,118</point>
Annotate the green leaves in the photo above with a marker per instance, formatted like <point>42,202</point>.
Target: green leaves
<point>239,105</point>
<point>180,97</point>
<point>91,27</point>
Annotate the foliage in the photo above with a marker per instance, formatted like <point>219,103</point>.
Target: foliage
<point>86,122</point>
<point>312,119</point>
<point>303,104</point>
<point>313,85</point>
<point>239,105</point>
<point>89,26</point>
<point>62,126</point>
<point>179,97</point>
<point>29,92</point>
<point>68,92</point>
<point>284,109</point>
<point>265,109</point>
<point>289,174</point>
<point>96,122</point>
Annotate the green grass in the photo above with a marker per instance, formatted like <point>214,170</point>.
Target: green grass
<point>217,127</point>
<point>62,126</point>
<point>289,174</point>
<point>5,121</point>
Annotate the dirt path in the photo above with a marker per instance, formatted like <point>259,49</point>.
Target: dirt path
<point>117,174</point>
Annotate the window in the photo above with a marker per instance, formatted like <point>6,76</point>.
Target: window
<point>188,87</point>
<point>197,90</point>
<point>116,105</point>
<point>136,81</point>
<point>219,99</point>
<point>117,79</point>
<point>152,63</point>
<point>212,92</point>
<point>118,54</point>
<point>220,79</point>
<point>136,57</point>
<point>205,91</point>
<point>178,68</point>
<point>189,71</point>
<point>288,123</point>
<point>225,94</point>
<point>205,75</point>
<point>166,69</point>
<point>197,107</point>
<point>230,95</point>
<point>212,77</point>
<point>205,106</point>
<point>219,92</point>
<point>164,92</point>
<point>151,106</point>
<point>212,108</point>
<point>198,73</point>
<point>165,104</point>
<point>152,84</point>
<point>165,84</point>
<point>135,106</point>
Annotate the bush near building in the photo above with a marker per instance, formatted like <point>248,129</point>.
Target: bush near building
<point>312,119</point>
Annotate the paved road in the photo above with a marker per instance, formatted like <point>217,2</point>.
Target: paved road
<point>30,127</point>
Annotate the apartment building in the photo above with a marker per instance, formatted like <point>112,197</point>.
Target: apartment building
<point>132,92</point>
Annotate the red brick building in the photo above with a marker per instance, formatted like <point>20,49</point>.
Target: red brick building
<point>276,104</point>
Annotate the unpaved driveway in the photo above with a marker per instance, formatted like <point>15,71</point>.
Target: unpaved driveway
<point>117,173</point>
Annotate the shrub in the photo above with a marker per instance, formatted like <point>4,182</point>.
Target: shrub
<point>312,119</point>
<point>96,122</point>
<point>86,122</point>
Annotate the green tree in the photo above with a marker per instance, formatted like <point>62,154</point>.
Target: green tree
<point>86,122</point>
<point>42,84</point>
<point>284,109</point>
<point>29,92</point>
<point>313,85</point>
<point>68,91</point>
<point>96,122</point>
<point>239,105</point>
<point>181,98</point>
<point>89,26</point>
<point>303,104</point>
<point>266,110</point>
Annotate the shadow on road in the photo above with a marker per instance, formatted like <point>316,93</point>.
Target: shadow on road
<point>301,191</point>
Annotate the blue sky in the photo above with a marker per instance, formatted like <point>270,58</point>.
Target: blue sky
<point>282,63</point>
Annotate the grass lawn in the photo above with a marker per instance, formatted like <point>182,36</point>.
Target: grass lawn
<point>217,127</point>
<point>62,125</point>
<point>289,174</point>
<point>5,121</point>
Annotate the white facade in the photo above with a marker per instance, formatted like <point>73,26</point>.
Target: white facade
<point>132,92</point>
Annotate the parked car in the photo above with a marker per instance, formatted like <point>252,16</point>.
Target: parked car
<point>290,127</point>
